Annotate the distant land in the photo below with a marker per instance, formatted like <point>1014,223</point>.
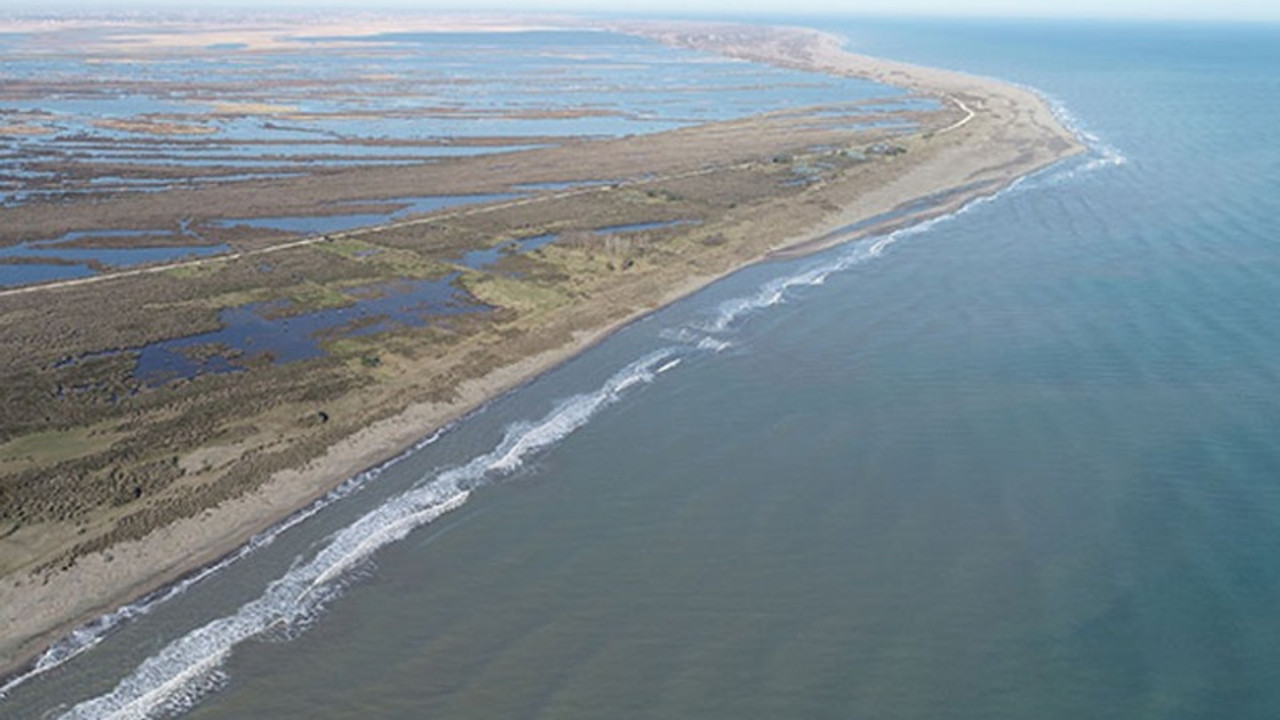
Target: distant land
<point>246,284</point>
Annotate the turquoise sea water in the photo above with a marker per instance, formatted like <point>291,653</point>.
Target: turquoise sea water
<point>1020,463</point>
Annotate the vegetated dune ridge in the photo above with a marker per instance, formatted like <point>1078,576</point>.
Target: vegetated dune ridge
<point>994,134</point>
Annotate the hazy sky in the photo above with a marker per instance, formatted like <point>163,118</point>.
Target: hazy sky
<point>1170,9</point>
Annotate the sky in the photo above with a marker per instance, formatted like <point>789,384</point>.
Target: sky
<point>1145,9</point>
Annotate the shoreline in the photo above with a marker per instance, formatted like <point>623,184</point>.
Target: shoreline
<point>220,532</point>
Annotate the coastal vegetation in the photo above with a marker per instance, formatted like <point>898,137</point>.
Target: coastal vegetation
<point>191,396</point>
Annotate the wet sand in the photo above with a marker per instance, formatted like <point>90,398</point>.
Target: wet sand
<point>1002,134</point>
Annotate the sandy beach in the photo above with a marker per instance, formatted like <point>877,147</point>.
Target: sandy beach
<point>1000,134</point>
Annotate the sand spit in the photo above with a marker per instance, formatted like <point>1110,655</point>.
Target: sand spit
<point>996,134</point>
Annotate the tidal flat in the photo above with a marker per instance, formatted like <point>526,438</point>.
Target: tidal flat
<point>115,481</point>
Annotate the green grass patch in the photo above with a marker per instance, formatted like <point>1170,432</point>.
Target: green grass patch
<point>400,262</point>
<point>409,264</point>
<point>187,272</point>
<point>512,293</point>
<point>235,299</point>
<point>55,446</point>
<point>314,296</point>
<point>351,248</point>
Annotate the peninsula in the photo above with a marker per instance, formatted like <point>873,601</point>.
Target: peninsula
<point>139,443</point>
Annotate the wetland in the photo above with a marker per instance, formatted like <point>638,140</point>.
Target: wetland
<point>402,232</point>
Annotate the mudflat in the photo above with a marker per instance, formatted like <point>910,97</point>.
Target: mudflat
<point>114,482</point>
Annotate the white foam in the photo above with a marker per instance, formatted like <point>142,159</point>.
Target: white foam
<point>1101,153</point>
<point>776,291</point>
<point>708,335</point>
<point>189,667</point>
<point>669,365</point>
<point>713,344</point>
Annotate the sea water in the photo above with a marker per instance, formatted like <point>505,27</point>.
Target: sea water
<point>1020,462</point>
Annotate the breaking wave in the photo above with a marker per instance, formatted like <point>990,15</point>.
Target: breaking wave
<point>708,334</point>
<point>1101,153</point>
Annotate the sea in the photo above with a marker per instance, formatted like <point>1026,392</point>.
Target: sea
<point>1018,462</point>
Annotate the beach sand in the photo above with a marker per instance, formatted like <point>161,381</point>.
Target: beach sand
<point>1003,134</point>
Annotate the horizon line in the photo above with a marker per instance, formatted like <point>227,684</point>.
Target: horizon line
<point>165,7</point>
